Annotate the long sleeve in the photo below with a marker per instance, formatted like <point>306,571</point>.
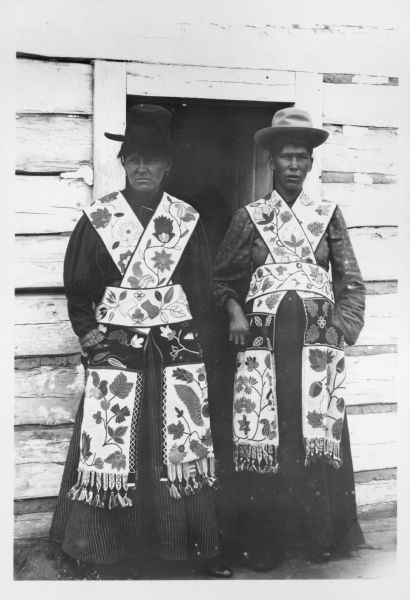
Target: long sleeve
<point>348,285</point>
<point>233,264</point>
<point>88,269</point>
<point>195,272</point>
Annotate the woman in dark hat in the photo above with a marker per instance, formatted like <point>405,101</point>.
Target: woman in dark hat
<point>140,466</point>
<point>289,323</point>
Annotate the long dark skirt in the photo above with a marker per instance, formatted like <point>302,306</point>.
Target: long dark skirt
<point>156,525</point>
<point>314,506</point>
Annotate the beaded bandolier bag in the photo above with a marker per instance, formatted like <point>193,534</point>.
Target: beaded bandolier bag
<point>146,308</point>
<point>291,235</point>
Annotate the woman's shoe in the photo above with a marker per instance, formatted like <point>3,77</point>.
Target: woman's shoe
<point>323,556</point>
<point>217,569</point>
<point>262,565</point>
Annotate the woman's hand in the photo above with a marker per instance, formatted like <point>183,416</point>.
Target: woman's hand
<point>239,331</point>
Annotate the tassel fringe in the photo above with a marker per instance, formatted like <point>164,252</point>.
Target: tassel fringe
<point>190,478</point>
<point>89,485</point>
<point>258,459</point>
<point>326,448</point>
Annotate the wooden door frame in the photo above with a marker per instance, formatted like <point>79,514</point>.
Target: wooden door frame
<point>113,80</point>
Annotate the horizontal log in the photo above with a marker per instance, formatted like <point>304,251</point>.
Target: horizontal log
<point>43,327</point>
<point>373,441</point>
<point>50,395</point>
<point>220,37</point>
<point>369,497</point>
<point>52,143</point>
<point>53,87</point>
<point>371,379</point>
<point>380,324</point>
<point>360,178</point>
<point>210,82</point>
<point>39,259</point>
<point>365,105</point>
<point>376,250</point>
<point>37,480</point>
<point>49,204</point>
<point>40,453</point>
<point>47,395</point>
<point>365,205</point>
<point>360,150</point>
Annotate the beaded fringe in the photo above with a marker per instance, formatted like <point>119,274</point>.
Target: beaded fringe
<point>327,448</point>
<point>185,479</point>
<point>102,490</point>
<point>259,459</point>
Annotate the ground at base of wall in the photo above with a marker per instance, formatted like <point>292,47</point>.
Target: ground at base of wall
<point>41,560</point>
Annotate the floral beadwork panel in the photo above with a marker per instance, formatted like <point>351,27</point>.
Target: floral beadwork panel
<point>314,216</point>
<point>143,307</point>
<point>188,430</point>
<point>161,245</point>
<point>319,328</point>
<point>324,385</point>
<point>118,226</point>
<point>110,396</point>
<point>254,405</point>
<point>291,234</point>
<point>269,279</point>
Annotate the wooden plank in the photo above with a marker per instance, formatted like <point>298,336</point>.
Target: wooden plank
<point>50,395</point>
<point>41,445</point>
<point>45,317</point>
<point>220,37</point>
<point>53,87</point>
<point>360,150</point>
<point>39,261</point>
<point>37,480</point>
<point>184,81</point>
<point>365,205</point>
<point>369,498</point>
<point>371,379</point>
<point>376,250</point>
<point>110,96</point>
<point>373,440</point>
<point>365,105</point>
<point>43,327</point>
<point>49,204</point>
<point>32,526</point>
<point>47,395</point>
<point>380,320</point>
<point>52,143</point>
<point>309,96</point>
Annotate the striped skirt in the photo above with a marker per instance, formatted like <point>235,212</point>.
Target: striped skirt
<point>156,525</point>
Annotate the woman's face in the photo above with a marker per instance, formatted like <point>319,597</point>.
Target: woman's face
<point>291,164</point>
<point>146,171</point>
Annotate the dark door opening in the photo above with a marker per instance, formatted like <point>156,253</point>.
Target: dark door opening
<point>216,166</point>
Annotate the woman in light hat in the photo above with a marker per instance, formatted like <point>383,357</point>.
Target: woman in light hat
<point>289,322</point>
<point>140,467</point>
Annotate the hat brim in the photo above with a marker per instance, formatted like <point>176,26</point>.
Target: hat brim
<point>268,136</point>
<point>114,136</point>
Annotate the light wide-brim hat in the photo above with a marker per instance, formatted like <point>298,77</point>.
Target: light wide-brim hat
<point>290,123</point>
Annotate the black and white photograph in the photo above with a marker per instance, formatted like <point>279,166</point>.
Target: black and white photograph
<point>206,204</point>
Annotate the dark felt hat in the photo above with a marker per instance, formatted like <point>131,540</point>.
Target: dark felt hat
<point>290,123</point>
<point>147,126</point>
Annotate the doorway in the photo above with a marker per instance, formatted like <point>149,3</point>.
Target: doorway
<point>216,166</point>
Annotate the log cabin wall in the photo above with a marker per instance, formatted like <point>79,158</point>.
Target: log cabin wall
<point>56,102</point>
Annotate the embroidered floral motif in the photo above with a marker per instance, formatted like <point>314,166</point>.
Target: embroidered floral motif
<point>162,261</point>
<point>163,229</point>
<point>100,218</point>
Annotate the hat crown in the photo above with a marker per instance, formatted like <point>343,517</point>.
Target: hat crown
<point>292,117</point>
<point>148,123</point>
